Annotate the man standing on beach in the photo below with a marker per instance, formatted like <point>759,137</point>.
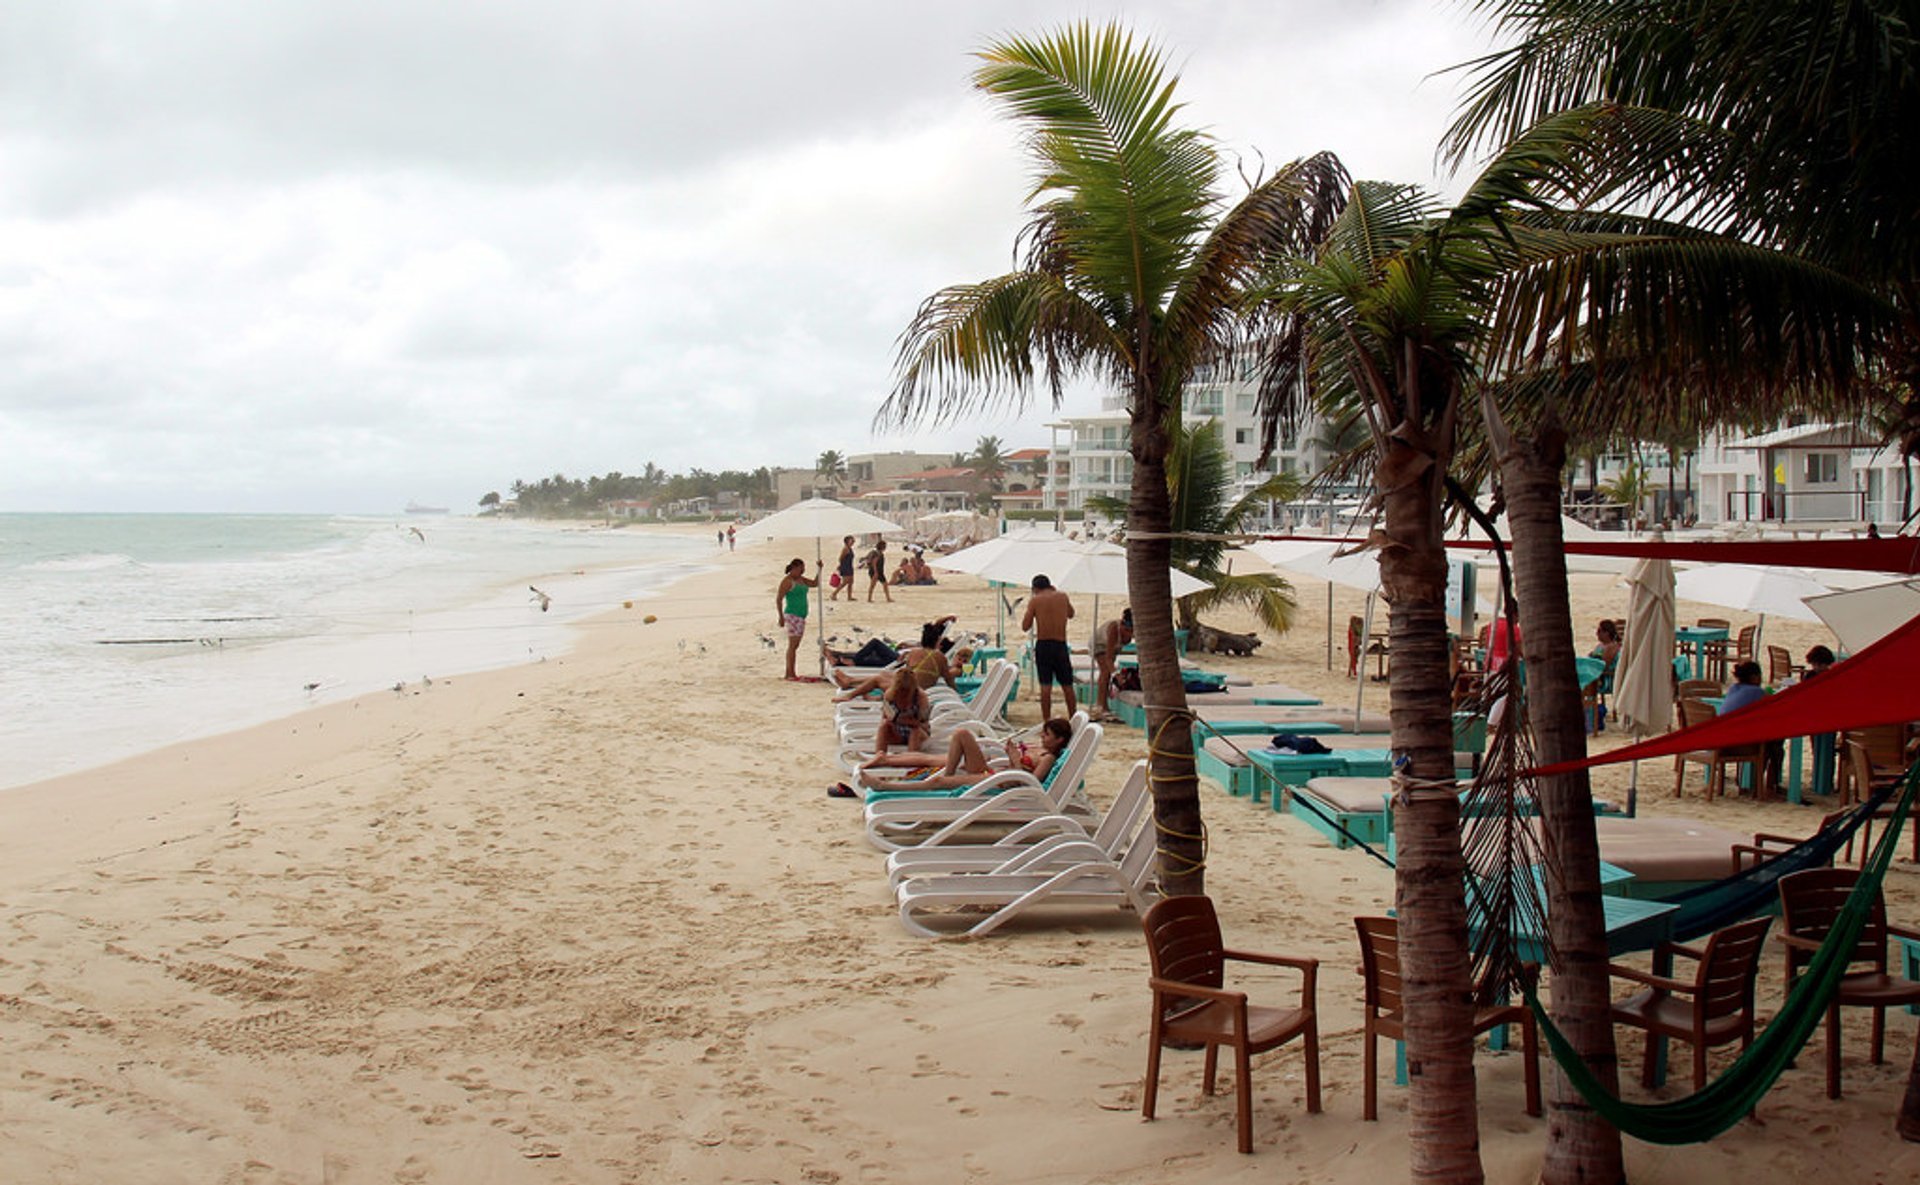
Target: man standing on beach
<point>1048,611</point>
<point>790,606</point>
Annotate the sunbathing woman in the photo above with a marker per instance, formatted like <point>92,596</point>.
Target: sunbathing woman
<point>905,715</point>
<point>967,762</point>
<point>927,661</point>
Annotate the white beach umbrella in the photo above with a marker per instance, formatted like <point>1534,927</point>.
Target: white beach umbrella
<point>1860,617</point>
<point>1751,588</point>
<point>817,519</point>
<point>1643,682</point>
<point>1039,542</point>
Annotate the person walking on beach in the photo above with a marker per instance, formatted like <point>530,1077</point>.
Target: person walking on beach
<point>877,571</point>
<point>843,570</point>
<point>1113,638</point>
<point>790,606</point>
<point>729,536</point>
<point>1048,611</point>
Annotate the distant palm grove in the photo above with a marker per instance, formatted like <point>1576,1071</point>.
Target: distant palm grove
<point>561,496</point>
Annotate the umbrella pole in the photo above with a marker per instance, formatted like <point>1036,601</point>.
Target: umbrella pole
<point>1633,792</point>
<point>819,562</point>
<point>1360,668</point>
<point>1329,625</point>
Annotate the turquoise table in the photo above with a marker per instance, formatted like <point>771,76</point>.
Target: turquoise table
<point>1794,750</point>
<point>1695,638</point>
<point>1909,949</point>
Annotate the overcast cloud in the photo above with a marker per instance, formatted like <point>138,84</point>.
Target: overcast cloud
<point>338,255</point>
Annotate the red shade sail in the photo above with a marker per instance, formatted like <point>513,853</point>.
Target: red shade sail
<point>1879,685</point>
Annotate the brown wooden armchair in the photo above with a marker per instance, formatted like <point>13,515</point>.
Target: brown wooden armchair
<point>1780,665</point>
<point>1383,1016</point>
<point>1810,903</point>
<point>1717,761</point>
<point>1717,1007</point>
<point>1192,1007</point>
<point>1869,758</point>
<point>1713,655</point>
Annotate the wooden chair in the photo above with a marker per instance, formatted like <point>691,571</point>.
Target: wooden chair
<point>1883,757</point>
<point>1780,665</point>
<point>1692,712</point>
<point>1743,644</point>
<point>1383,1014</point>
<point>1810,903</point>
<point>1718,1004</point>
<point>1693,689</point>
<point>1866,777</point>
<point>1714,654</point>
<point>1191,1006</point>
<point>1361,646</point>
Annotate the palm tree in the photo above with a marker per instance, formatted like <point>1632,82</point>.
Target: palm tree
<point>1200,486</point>
<point>1630,488</point>
<point>1132,269</point>
<point>1807,121</point>
<point>988,461</point>
<point>1405,312</point>
<point>831,468</point>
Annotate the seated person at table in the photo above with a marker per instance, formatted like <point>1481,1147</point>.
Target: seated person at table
<point>967,763</point>
<point>1819,659</point>
<point>1608,647</point>
<point>1744,692</point>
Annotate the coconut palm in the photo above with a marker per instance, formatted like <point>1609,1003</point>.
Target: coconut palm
<point>1203,511</point>
<point>831,468</point>
<point>1411,314</point>
<point>988,461</point>
<point>1807,121</point>
<point>1132,268</point>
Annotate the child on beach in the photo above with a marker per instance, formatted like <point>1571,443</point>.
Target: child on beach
<point>790,606</point>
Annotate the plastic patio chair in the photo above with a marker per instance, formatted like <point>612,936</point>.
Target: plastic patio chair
<point>1717,1007</point>
<point>1810,903</point>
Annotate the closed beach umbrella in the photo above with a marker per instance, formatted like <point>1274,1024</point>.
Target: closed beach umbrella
<point>1859,617</point>
<point>1643,684</point>
<point>817,519</point>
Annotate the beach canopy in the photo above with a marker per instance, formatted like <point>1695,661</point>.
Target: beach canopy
<point>1859,617</point>
<point>1101,569</point>
<point>1772,590</point>
<point>1023,541</point>
<point>817,518</point>
<point>1875,686</point>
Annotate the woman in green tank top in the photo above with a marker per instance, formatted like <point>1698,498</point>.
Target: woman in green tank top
<point>790,604</point>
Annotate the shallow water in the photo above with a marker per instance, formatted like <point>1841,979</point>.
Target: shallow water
<point>124,633</point>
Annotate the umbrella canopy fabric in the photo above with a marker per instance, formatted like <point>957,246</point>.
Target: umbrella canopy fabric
<point>1773,591</point>
<point>1643,684</point>
<point>1101,569</point>
<point>817,518</point>
<point>1862,616</point>
<point>1028,541</point>
<point>1322,561</point>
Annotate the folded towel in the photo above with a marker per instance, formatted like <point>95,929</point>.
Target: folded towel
<point>1288,742</point>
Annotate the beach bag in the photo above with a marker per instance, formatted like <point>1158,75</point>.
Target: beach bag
<point>833,581</point>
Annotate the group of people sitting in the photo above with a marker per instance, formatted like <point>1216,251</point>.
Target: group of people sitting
<point>913,569</point>
<point>1747,690</point>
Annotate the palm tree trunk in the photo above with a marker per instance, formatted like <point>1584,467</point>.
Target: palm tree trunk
<point>1582,1148</point>
<point>1443,1131</point>
<point>1176,789</point>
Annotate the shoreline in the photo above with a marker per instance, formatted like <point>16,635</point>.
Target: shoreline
<point>443,642</point>
<point>592,920</point>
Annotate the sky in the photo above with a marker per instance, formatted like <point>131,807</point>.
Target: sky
<point>335,256</point>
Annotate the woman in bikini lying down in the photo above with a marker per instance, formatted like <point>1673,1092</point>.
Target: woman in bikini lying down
<point>967,763</point>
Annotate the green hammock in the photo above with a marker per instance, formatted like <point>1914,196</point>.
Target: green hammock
<point>1708,1112</point>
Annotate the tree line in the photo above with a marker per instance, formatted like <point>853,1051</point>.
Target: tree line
<point>561,496</point>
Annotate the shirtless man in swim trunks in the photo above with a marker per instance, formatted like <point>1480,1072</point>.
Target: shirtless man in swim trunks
<point>1048,611</point>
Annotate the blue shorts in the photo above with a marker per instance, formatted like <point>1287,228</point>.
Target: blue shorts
<point>1053,662</point>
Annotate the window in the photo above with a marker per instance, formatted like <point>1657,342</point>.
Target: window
<point>1239,436</point>
<point>1822,468</point>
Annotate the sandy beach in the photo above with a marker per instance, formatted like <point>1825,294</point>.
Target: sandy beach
<point>594,920</point>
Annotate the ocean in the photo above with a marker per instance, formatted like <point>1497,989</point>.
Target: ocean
<point>125,633</point>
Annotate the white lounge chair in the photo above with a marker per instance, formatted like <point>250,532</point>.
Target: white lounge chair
<point>931,905</point>
<point>1031,847</point>
<point>1003,800</point>
<point>987,703</point>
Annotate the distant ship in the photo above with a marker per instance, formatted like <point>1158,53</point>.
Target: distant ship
<point>416,508</point>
